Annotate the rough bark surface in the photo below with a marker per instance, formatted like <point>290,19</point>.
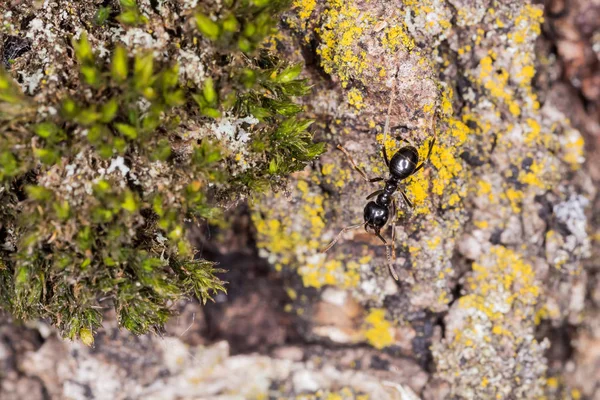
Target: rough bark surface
<point>499,290</point>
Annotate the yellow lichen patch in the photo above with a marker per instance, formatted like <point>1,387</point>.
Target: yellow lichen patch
<point>292,293</point>
<point>428,14</point>
<point>417,192</point>
<point>319,274</point>
<point>365,260</point>
<point>444,160</point>
<point>527,24</point>
<point>343,177</point>
<point>304,9</point>
<point>344,25</point>
<point>527,73</point>
<point>552,382</point>
<point>573,149</point>
<point>379,331</point>
<point>515,197</point>
<point>540,315</point>
<point>397,37</point>
<point>429,108</point>
<point>312,211</point>
<point>433,243</point>
<point>391,144</point>
<point>534,176</point>
<point>481,224</point>
<point>276,237</point>
<point>447,108</point>
<point>355,98</point>
<point>485,188</point>
<point>495,80</point>
<point>327,169</point>
<point>278,232</point>
<point>533,133</point>
<point>504,274</point>
<point>448,166</point>
<point>465,50</point>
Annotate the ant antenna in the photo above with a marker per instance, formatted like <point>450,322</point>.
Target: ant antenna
<point>386,127</point>
<point>390,258</point>
<point>339,235</point>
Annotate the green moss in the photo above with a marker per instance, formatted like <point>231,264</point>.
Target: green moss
<point>131,14</point>
<point>241,24</point>
<point>95,197</point>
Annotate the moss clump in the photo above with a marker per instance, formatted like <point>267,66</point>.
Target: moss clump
<point>98,185</point>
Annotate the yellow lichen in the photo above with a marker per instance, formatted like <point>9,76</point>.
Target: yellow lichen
<point>278,234</point>
<point>481,224</point>
<point>355,98</point>
<point>552,382</point>
<point>573,149</point>
<point>327,169</point>
<point>534,176</point>
<point>304,9</point>
<point>379,333</point>
<point>515,197</point>
<point>396,37</point>
<point>339,34</point>
<point>527,24</point>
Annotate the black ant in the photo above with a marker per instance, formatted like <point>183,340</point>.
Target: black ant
<point>404,163</point>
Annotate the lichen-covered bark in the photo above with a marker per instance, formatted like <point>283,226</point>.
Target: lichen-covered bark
<point>498,232</point>
<point>496,281</point>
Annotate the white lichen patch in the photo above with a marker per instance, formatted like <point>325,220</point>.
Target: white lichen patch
<point>235,135</point>
<point>75,183</point>
<point>191,67</point>
<point>31,82</point>
<point>565,251</point>
<point>118,164</point>
<point>187,5</point>
<point>136,38</point>
<point>572,214</point>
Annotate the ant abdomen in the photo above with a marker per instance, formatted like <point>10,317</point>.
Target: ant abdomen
<point>404,162</point>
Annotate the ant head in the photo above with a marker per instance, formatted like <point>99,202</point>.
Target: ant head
<point>376,216</point>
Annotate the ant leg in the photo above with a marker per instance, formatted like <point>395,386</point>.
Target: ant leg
<point>357,168</point>
<point>406,199</point>
<point>378,234</point>
<point>385,156</point>
<point>392,257</point>
<point>339,235</point>
<point>431,143</point>
<point>375,193</point>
